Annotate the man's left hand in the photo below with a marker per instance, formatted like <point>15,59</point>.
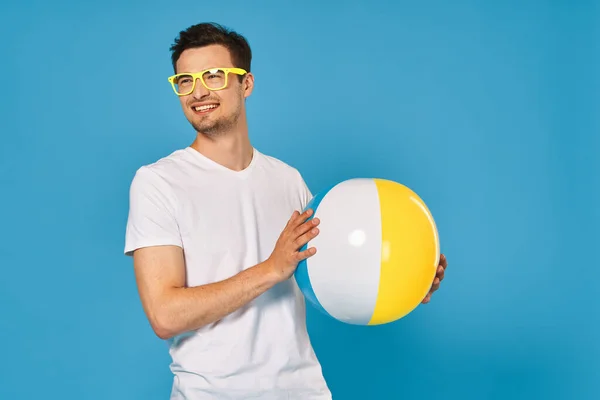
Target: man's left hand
<point>439,277</point>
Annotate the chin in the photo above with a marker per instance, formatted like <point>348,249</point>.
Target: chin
<point>210,129</point>
<point>215,127</point>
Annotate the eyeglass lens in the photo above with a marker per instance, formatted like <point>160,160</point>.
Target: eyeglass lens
<point>213,79</point>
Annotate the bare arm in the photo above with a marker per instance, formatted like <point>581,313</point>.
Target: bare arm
<point>173,308</point>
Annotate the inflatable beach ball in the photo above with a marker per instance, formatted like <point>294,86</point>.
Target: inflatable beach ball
<point>377,252</point>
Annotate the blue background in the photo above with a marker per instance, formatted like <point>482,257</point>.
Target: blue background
<point>486,109</point>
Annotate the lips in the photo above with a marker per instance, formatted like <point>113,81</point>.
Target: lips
<point>204,108</point>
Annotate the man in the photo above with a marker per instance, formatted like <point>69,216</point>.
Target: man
<point>215,231</point>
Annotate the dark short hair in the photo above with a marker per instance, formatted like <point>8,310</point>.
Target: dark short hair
<point>210,33</point>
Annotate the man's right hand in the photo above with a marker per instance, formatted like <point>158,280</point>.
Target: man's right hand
<point>286,255</point>
<point>173,308</point>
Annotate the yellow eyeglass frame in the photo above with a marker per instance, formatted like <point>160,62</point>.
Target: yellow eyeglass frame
<point>198,76</point>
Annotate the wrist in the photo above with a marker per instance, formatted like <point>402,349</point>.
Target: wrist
<point>271,273</point>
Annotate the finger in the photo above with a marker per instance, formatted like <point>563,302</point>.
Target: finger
<point>303,216</point>
<point>306,237</point>
<point>443,261</point>
<point>427,298</point>
<point>440,272</point>
<point>435,286</point>
<point>292,218</point>
<point>298,218</point>
<point>305,227</point>
<point>302,255</point>
<point>294,221</point>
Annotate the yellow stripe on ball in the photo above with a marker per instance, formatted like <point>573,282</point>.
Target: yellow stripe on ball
<point>409,252</point>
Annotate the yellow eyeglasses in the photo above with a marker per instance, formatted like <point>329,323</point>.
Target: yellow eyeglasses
<point>212,79</point>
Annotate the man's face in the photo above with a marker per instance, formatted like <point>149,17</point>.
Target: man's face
<point>226,106</point>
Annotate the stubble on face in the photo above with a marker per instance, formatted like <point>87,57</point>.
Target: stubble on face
<point>210,126</point>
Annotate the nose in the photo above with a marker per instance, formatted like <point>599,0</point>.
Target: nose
<point>199,90</point>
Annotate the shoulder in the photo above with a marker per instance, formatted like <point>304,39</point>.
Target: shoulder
<point>289,176</point>
<point>158,177</point>
<point>280,167</point>
<point>167,165</point>
<point>162,169</point>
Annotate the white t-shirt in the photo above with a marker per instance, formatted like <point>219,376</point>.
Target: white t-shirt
<point>227,221</point>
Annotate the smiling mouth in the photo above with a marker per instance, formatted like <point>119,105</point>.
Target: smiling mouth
<point>205,108</point>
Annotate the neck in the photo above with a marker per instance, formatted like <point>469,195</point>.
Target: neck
<point>233,150</point>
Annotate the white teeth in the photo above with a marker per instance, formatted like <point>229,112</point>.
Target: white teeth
<point>206,107</point>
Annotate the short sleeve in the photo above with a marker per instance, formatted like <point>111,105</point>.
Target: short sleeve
<point>151,219</point>
<point>305,193</point>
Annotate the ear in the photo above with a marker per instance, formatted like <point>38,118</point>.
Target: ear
<point>248,84</point>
